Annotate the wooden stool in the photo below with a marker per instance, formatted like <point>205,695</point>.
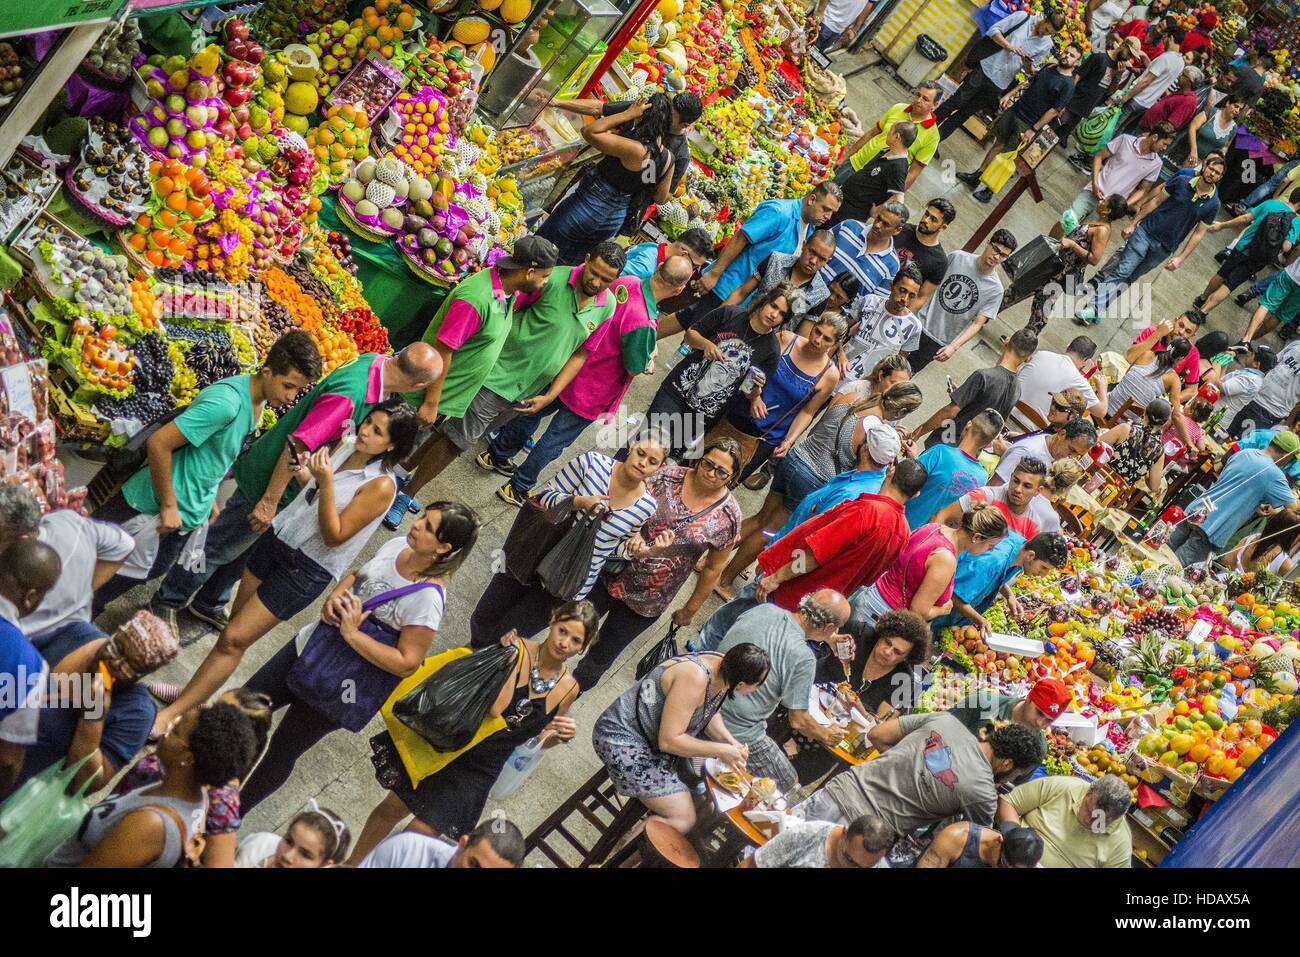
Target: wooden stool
<point>659,846</point>
<point>593,798</point>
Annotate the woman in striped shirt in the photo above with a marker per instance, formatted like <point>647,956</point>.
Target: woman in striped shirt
<point>595,482</point>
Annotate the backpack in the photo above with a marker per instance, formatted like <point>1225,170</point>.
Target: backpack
<point>1269,236</point>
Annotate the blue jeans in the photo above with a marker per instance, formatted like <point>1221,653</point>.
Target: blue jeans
<point>826,38</point>
<point>559,435</point>
<point>592,212</point>
<point>1139,256</point>
<point>230,541</point>
<point>1265,189</point>
<point>1259,285</point>
<point>716,628</point>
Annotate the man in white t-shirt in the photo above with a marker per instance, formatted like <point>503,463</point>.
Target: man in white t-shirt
<point>91,553</point>
<point>969,295</point>
<point>841,21</point>
<point>1156,80</point>
<point>1047,373</point>
<point>883,325</point>
<point>1127,166</point>
<point>1240,385</point>
<point>1073,441</point>
<point>494,843</point>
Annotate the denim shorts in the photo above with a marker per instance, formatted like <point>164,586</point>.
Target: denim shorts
<point>290,581</point>
<point>794,481</point>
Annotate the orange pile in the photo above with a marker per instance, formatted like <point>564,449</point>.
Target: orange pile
<point>166,237</point>
<point>144,302</point>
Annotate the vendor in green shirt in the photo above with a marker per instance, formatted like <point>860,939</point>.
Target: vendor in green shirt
<point>1081,824</point>
<point>549,328</point>
<point>469,331</point>
<point>190,455</point>
<point>1047,701</point>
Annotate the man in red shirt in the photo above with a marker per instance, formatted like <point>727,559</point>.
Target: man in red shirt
<point>847,547</point>
<point>1200,35</point>
<point>1185,326</point>
<point>1178,106</point>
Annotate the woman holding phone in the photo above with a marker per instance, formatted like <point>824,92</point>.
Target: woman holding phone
<point>311,543</point>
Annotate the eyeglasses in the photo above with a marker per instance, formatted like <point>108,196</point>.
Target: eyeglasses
<point>999,252</point>
<point>714,469</point>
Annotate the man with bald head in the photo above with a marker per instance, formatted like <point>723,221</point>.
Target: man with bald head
<point>28,569</point>
<point>264,475</point>
<point>789,639</point>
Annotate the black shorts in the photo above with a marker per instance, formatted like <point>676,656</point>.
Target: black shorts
<point>1238,268</point>
<point>290,581</point>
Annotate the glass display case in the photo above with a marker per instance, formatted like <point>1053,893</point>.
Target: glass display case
<point>564,37</point>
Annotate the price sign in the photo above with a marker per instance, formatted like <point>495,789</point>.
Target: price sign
<point>33,15</point>
<point>819,58</point>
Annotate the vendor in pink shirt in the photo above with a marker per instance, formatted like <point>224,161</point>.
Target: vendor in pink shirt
<point>1185,326</point>
<point>593,382</point>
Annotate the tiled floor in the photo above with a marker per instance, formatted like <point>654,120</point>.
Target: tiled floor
<point>337,772</point>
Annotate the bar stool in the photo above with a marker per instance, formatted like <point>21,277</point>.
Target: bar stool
<point>660,846</point>
<point>586,806</point>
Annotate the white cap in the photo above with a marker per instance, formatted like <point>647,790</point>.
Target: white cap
<point>883,444</point>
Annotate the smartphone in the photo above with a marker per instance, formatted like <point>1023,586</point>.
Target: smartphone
<point>298,450</point>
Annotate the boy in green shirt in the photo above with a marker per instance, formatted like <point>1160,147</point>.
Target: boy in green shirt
<point>190,456</point>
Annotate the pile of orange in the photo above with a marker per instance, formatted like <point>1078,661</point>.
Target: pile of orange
<point>183,196</point>
<point>145,303</point>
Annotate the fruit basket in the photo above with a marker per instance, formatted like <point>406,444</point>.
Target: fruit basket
<point>421,271</point>
<point>350,220</point>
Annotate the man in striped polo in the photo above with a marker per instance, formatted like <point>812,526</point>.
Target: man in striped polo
<point>866,251</point>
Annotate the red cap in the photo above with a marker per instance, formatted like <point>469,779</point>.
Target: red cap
<point>1050,697</point>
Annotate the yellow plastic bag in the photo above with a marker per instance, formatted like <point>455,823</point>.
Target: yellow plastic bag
<point>418,756</point>
<point>1001,169</point>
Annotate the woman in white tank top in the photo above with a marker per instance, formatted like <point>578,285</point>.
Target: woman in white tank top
<point>345,494</point>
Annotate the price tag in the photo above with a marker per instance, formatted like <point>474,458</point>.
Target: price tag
<point>18,386</point>
<point>819,58</point>
<point>1200,631</point>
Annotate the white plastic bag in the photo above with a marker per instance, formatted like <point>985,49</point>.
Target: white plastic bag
<point>192,557</point>
<point>522,762</point>
<point>144,529</point>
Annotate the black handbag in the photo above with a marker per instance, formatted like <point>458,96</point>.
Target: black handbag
<point>564,569</point>
<point>664,648</point>
<point>535,531</point>
<point>1031,267</point>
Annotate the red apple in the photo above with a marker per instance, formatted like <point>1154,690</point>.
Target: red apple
<point>238,95</point>
<point>255,53</point>
<point>236,29</point>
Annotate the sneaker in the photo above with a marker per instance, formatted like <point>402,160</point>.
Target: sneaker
<point>490,463</point>
<point>170,616</point>
<point>1243,298</point>
<point>1085,317</point>
<point>983,194</point>
<point>397,511</point>
<point>165,693</point>
<point>970,179</point>
<point>216,617</point>
<point>1198,302</point>
<point>508,494</point>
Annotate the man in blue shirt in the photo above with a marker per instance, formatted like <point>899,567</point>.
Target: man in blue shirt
<point>980,578</point>
<point>866,250</point>
<point>880,446</point>
<point>1262,439</point>
<point>1251,479</point>
<point>954,470</point>
<point>1186,207</point>
<point>644,259</point>
<point>777,225</point>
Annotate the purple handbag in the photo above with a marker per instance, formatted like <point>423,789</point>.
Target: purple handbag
<point>335,681</point>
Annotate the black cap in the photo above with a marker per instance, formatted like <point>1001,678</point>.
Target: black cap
<point>530,252</point>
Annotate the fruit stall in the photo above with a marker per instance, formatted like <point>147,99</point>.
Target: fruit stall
<point>1180,685</point>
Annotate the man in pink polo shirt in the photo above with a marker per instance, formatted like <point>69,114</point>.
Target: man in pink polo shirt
<point>593,382</point>
<point>1185,326</point>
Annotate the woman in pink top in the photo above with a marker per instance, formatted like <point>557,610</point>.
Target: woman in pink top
<point>921,579</point>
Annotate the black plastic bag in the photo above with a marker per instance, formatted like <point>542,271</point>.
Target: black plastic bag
<point>564,570</point>
<point>664,649</point>
<point>448,707</point>
<point>535,531</point>
<point>1031,267</point>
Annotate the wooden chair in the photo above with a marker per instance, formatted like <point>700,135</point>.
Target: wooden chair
<point>1202,465</point>
<point>1130,411</point>
<point>1071,524</point>
<point>660,846</point>
<point>1024,418</point>
<point>581,814</point>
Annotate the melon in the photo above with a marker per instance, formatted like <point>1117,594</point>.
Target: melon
<point>392,218</point>
<point>489,4</point>
<point>420,188</point>
<point>365,171</point>
<point>486,56</point>
<point>381,194</point>
<point>354,191</point>
<point>367,208</point>
<point>515,11</point>
<point>296,123</point>
<point>471,30</point>
<point>390,171</point>
<point>300,98</point>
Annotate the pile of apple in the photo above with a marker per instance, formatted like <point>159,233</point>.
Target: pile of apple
<point>187,104</point>
<point>241,119</point>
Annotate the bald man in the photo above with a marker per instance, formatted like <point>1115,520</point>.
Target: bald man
<point>28,570</point>
<point>264,475</point>
<point>786,637</point>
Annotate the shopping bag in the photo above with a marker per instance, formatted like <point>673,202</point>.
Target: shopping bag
<point>40,815</point>
<point>563,572</point>
<point>1002,168</point>
<point>193,557</point>
<point>418,758</point>
<point>664,649</point>
<point>448,707</point>
<point>1095,131</point>
<point>143,529</point>
<point>1031,267</point>
<point>534,533</point>
<point>522,762</point>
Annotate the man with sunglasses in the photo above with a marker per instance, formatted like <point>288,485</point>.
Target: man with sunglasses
<point>1073,441</point>
<point>967,844</point>
<point>968,297</point>
<point>1047,373</point>
<point>863,843</point>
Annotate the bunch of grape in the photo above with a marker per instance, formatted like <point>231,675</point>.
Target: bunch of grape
<point>153,365</point>
<point>243,348</point>
<point>196,335</point>
<point>146,407</point>
<point>1169,625</point>
<point>185,385</point>
<point>212,360</point>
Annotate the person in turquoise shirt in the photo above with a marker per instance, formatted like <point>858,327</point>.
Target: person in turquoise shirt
<point>954,470</point>
<point>880,446</point>
<point>1251,479</point>
<point>980,578</point>
<point>1262,439</point>
<point>644,258</point>
<point>1239,266</point>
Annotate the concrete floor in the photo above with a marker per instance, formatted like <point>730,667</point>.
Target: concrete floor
<point>338,773</point>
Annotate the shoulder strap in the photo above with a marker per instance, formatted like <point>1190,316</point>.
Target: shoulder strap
<point>396,593</point>
<point>191,848</point>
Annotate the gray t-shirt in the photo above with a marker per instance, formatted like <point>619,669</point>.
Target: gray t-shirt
<point>827,448</point>
<point>105,815</point>
<point>963,294</point>
<point>938,770</point>
<point>1280,389</point>
<point>790,680</point>
<point>800,844</point>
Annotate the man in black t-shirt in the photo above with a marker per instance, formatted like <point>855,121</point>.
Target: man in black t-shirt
<point>920,244</point>
<point>996,388</point>
<point>882,179</point>
<point>1045,96</point>
<point>1093,82</point>
<point>687,108</point>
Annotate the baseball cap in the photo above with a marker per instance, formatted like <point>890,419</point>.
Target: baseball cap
<point>1050,696</point>
<point>883,444</point>
<point>1287,442</point>
<point>530,252</point>
<point>1134,46</point>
